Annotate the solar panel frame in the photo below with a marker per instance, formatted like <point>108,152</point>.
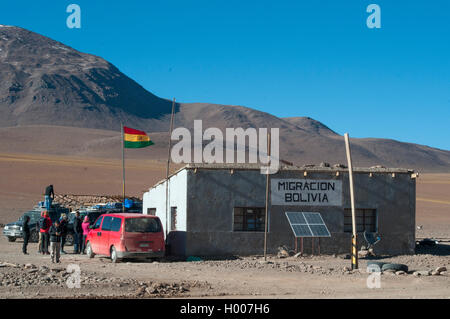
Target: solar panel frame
<point>319,230</point>
<point>296,218</point>
<point>307,224</point>
<point>313,218</point>
<point>301,230</point>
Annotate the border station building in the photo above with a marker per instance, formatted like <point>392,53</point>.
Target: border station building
<point>219,209</point>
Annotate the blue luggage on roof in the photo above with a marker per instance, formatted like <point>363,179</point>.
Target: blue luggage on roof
<point>128,203</point>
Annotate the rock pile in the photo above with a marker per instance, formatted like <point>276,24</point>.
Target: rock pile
<point>161,289</point>
<point>437,272</point>
<point>29,275</point>
<point>76,201</point>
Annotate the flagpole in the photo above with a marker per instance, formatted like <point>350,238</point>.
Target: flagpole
<point>267,197</point>
<point>168,165</point>
<point>123,169</point>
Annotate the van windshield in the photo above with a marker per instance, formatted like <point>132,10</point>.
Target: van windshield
<point>142,225</point>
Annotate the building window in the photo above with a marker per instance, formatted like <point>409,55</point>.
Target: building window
<point>151,211</point>
<point>173,218</point>
<point>366,220</point>
<point>248,219</point>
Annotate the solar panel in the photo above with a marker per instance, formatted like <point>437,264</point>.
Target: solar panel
<point>296,218</point>
<point>306,224</point>
<point>313,218</point>
<point>301,230</point>
<point>319,231</point>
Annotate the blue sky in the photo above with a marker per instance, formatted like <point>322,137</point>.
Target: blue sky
<point>288,58</point>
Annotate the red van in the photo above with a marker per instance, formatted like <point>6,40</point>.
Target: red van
<point>126,236</point>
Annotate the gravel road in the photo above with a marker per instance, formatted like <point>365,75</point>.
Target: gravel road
<point>34,276</point>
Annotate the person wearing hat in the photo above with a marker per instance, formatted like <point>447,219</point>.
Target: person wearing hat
<point>45,223</point>
<point>85,226</point>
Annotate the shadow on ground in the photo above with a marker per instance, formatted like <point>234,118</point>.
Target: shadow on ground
<point>436,250</point>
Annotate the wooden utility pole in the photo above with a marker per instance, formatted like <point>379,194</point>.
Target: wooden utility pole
<point>123,169</point>
<point>352,199</point>
<point>267,197</point>
<point>168,165</point>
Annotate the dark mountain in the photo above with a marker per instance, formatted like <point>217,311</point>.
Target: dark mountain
<point>44,82</point>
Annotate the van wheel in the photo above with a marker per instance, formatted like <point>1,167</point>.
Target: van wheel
<point>11,239</point>
<point>89,251</point>
<point>114,258</point>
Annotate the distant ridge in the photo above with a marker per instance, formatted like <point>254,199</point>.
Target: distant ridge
<point>48,90</point>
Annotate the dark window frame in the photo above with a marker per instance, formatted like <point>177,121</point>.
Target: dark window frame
<point>151,209</point>
<point>366,220</point>
<point>253,221</point>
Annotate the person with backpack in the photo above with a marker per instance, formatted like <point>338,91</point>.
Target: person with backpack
<point>55,241</point>
<point>25,233</point>
<point>63,225</point>
<point>78,233</point>
<point>44,224</point>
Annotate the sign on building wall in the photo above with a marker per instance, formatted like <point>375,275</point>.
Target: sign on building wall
<point>306,192</point>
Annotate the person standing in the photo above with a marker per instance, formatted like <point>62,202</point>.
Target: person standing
<point>63,225</point>
<point>55,241</point>
<point>78,232</point>
<point>49,197</point>
<point>25,233</point>
<point>45,223</point>
<point>38,229</point>
<point>85,227</point>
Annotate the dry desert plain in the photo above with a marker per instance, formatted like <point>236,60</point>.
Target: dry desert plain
<point>25,175</point>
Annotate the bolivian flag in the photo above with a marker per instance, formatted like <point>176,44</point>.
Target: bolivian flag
<point>135,139</point>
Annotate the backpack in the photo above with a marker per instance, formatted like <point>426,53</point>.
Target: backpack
<point>42,223</point>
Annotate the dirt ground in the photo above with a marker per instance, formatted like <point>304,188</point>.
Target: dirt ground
<point>249,277</point>
<point>24,177</point>
<point>433,205</point>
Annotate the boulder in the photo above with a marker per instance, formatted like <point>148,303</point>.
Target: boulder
<point>363,253</point>
<point>283,252</point>
<point>44,268</point>
<point>441,269</point>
